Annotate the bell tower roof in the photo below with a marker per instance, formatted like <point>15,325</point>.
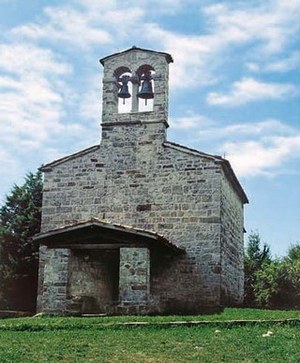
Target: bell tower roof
<point>168,56</point>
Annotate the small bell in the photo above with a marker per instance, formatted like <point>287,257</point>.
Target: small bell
<point>124,92</point>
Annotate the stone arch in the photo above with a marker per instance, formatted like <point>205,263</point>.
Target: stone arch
<point>121,70</point>
<point>144,68</point>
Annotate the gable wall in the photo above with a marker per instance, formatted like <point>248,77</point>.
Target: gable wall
<point>147,185</point>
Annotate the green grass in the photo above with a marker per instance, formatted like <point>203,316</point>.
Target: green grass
<point>88,340</point>
<point>226,315</point>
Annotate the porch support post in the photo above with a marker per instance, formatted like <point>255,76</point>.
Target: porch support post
<point>55,284</point>
<point>134,279</point>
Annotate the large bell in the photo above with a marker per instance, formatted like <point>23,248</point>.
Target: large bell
<point>124,92</point>
<point>146,91</point>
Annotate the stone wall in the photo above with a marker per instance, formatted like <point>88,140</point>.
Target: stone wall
<point>93,281</point>
<point>232,246</point>
<point>174,193</point>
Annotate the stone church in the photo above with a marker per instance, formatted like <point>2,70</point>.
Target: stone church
<point>138,224</point>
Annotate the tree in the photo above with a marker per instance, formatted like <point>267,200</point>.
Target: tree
<point>20,219</point>
<point>291,283</point>
<point>269,284</point>
<point>255,257</point>
<point>293,254</point>
<point>278,282</point>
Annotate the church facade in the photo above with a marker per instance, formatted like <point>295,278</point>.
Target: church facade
<point>139,224</point>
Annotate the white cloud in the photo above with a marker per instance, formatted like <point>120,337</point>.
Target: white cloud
<point>10,166</point>
<point>90,107</point>
<point>264,157</point>
<point>189,121</point>
<point>250,90</point>
<point>20,58</point>
<point>32,95</point>
<point>272,23</point>
<point>253,67</point>
<point>65,24</point>
<point>245,130</point>
<point>206,129</point>
<point>93,24</point>
<point>258,128</point>
<point>156,6</point>
<point>279,65</point>
<point>285,64</point>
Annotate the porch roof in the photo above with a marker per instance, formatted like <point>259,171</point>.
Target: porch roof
<point>98,234</point>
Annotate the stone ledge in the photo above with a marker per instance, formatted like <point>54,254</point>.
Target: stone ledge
<point>139,324</point>
<point>14,314</point>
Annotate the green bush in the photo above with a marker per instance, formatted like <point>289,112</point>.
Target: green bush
<point>271,283</point>
<point>267,286</point>
<point>255,257</point>
<point>278,282</point>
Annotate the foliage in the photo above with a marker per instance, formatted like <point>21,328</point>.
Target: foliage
<point>268,281</point>
<point>19,221</point>
<point>293,253</point>
<point>271,283</point>
<point>255,257</point>
<point>278,283</point>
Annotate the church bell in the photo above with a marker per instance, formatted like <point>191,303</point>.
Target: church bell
<point>124,92</point>
<point>146,91</point>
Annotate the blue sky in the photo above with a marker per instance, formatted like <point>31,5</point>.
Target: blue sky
<point>234,88</point>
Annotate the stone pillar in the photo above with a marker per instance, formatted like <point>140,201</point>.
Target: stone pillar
<point>40,289</point>
<point>134,280</point>
<point>135,100</point>
<point>55,285</point>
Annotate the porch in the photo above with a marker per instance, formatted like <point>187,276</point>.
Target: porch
<point>99,267</point>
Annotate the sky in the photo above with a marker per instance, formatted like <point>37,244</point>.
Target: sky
<point>234,89</point>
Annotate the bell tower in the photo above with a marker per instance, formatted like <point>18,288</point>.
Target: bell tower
<point>135,90</point>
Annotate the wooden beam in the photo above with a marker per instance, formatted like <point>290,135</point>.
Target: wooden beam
<point>93,246</point>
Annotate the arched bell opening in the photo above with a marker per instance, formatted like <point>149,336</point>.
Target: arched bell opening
<point>146,88</point>
<point>124,89</point>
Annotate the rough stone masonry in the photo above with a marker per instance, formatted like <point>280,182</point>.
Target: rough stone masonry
<point>138,224</point>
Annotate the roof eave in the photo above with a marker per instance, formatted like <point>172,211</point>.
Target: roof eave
<point>46,237</point>
<point>234,180</point>
<point>49,166</point>
<point>133,48</point>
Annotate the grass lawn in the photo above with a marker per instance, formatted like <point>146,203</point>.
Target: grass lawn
<point>92,340</point>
